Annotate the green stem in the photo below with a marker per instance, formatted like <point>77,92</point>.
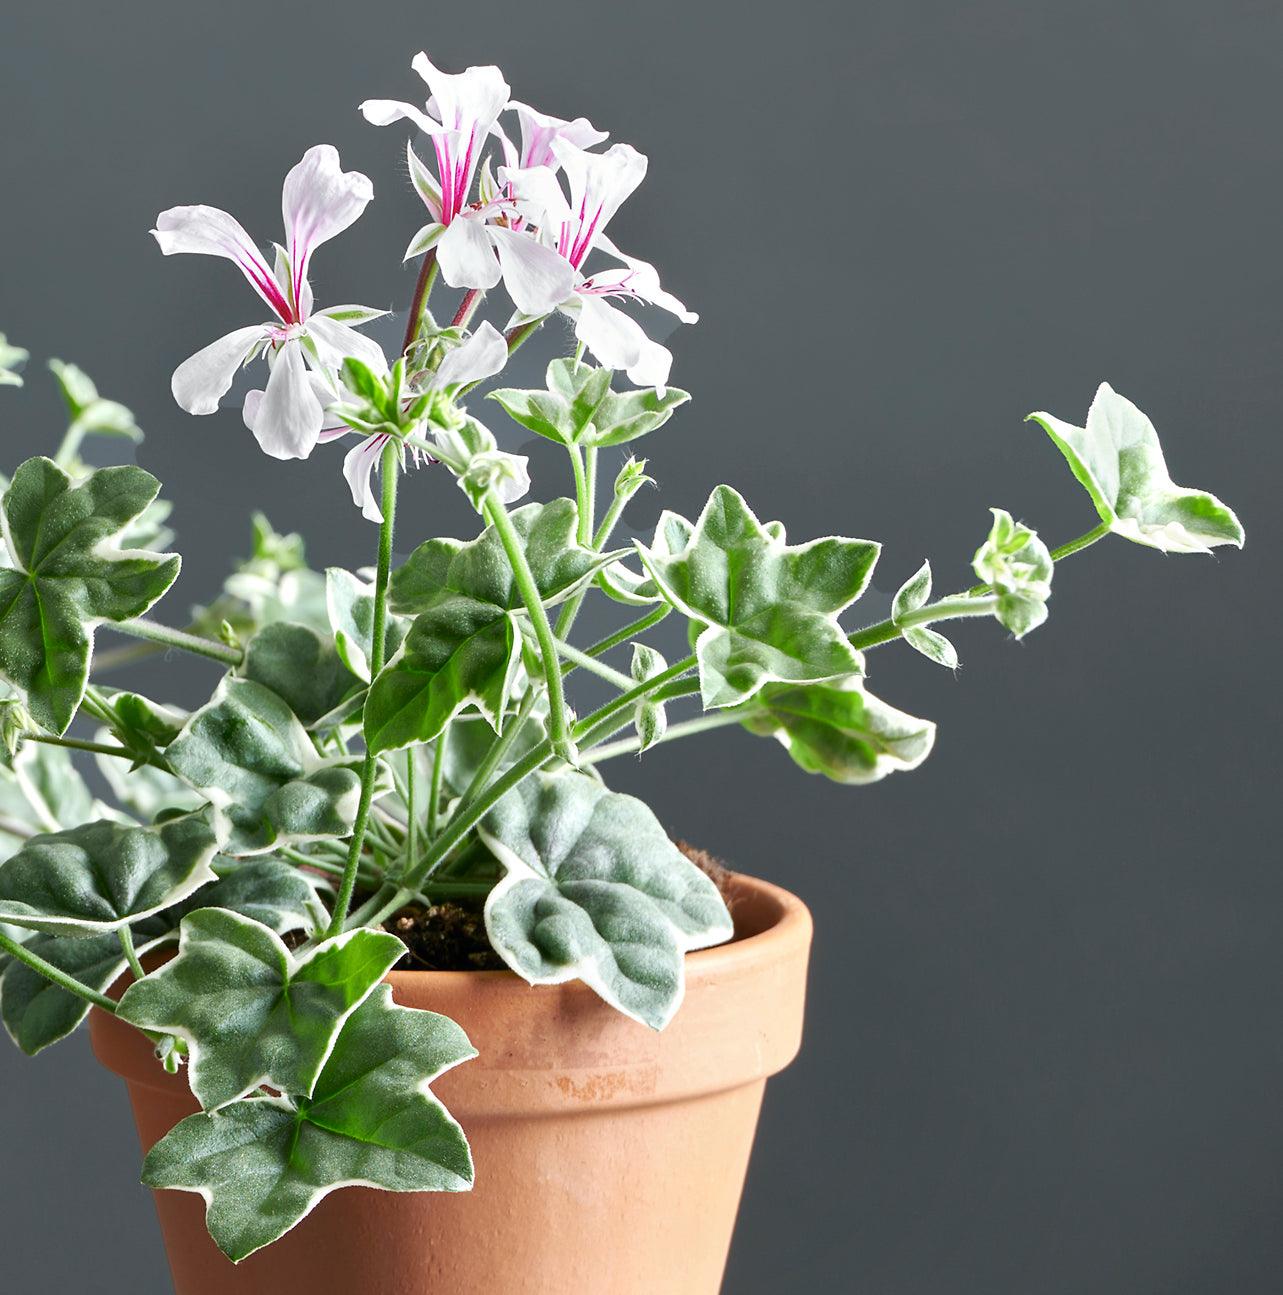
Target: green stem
<point>520,335</point>
<point>530,596</point>
<point>142,628</point>
<point>501,746</point>
<point>634,629</point>
<point>438,776</point>
<point>418,303</point>
<point>411,826</point>
<point>582,496</point>
<point>610,521</point>
<point>131,954</point>
<point>78,744</point>
<point>687,728</point>
<point>11,826</point>
<point>71,442</point>
<point>390,467</point>
<point>946,609</point>
<point>59,977</point>
<point>590,471</point>
<point>115,658</point>
<point>599,668</point>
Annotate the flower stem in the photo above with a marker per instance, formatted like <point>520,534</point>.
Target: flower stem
<point>390,467</point>
<point>411,826</point>
<point>78,744</point>
<point>50,972</point>
<point>438,774</point>
<point>142,628</point>
<point>633,629</point>
<point>582,497</point>
<point>533,600</point>
<point>422,290</point>
<point>467,307</point>
<point>599,668</point>
<point>521,334</point>
<point>627,745</point>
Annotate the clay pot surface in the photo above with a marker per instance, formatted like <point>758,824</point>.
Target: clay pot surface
<point>609,1158</point>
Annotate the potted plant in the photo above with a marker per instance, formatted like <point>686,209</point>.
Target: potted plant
<point>309,927</point>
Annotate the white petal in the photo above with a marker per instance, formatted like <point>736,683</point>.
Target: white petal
<point>642,280</point>
<point>467,256</point>
<point>383,112</point>
<point>288,419</point>
<point>359,462</point>
<point>335,341</point>
<point>618,342</point>
<point>538,278</point>
<point>319,200</point>
<point>200,382</point>
<point>599,182</point>
<point>515,487</point>
<point>538,194</point>
<point>539,129</point>
<point>475,96</point>
<point>210,231</point>
<point>482,356</point>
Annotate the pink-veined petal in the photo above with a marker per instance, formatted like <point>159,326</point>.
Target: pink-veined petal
<point>358,465</point>
<point>202,380</point>
<point>319,200</point>
<point>619,342</point>
<point>461,99</point>
<point>288,419</point>
<point>210,231</point>
<point>467,256</point>
<point>539,129</point>
<point>482,356</point>
<point>599,184</point>
<point>538,278</point>
<point>640,280</point>
<point>334,341</point>
<point>538,195</point>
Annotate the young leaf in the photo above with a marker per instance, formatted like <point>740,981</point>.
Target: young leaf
<point>650,717</point>
<point>1019,567</point>
<point>12,358</point>
<point>250,1012</point>
<point>769,610</point>
<point>351,606</point>
<point>1119,461</point>
<point>68,577</point>
<point>38,1013</point>
<point>90,413</point>
<point>263,1164</point>
<point>933,645</point>
<point>913,593</point>
<point>595,891</point>
<point>845,734</point>
<point>250,756</point>
<point>301,666</point>
<point>463,649</point>
<point>102,876</point>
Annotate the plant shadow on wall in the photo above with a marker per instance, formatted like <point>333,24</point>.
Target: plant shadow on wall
<point>389,742</point>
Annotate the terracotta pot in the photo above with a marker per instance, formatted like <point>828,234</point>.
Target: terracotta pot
<point>610,1159</point>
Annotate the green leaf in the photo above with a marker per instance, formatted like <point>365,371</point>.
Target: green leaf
<point>350,601</point>
<point>68,576</point>
<point>250,1012</point>
<point>595,891</point>
<point>268,890</point>
<point>768,610</point>
<point>1119,461</point>
<point>463,649</point>
<point>301,666</point>
<point>247,752</point>
<point>912,594</point>
<point>145,791</point>
<point>139,721</point>
<point>36,1012</point>
<point>579,408</point>
<point>104,875</point>
<point>263,1164</point>
<point>846,734</point>
<point>90,413</point>
<point>1017,564</point>
<point>933,645</point>
<point>650,717</point>
<point>12,358</point>
<point>48,775</point>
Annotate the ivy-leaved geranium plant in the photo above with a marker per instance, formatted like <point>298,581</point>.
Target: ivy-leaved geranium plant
<point>380,742</point>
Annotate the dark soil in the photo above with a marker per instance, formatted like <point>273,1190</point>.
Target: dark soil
<point>451,936</point>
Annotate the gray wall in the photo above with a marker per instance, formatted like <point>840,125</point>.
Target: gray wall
<point>1044,1048</point>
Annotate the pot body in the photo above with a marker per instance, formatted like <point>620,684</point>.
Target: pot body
<point>609,1159</point>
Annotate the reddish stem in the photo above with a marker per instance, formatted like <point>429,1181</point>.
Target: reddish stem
<point>416,302</point>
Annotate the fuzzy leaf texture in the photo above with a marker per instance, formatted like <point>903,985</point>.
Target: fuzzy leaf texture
<point>263,1164</point>
<point>104,875</point>
<point>1018,565</point>
<point>250,1012</point>
<point>1119,461</point>
<point>463,648</point>
<point>68,576</point>
<point>765,611</point>
<point>595,891</point>
<point>247,752</point>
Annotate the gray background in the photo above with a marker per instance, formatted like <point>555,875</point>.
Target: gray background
<point>1044,1051</point>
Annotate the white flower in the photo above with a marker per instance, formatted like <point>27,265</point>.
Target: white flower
<point>599,184</point>
<point>318,201</point>
<point>482,356</point>
<point>475,245</point>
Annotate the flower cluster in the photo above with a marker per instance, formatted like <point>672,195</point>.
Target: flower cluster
<point>532,222</point>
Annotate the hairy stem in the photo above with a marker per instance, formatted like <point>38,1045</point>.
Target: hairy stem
<point>467,308</point>
<point>131,954</point>
<point>634,629</point>
<point>438,775</point>
<point>530,596</point>
<point>390,467</point>
<point>600,669</point>
<point>418,303</point>
<point>78,744</point>
<point>687,728</point>
<point>142,628</point>
<point>59,977</point>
